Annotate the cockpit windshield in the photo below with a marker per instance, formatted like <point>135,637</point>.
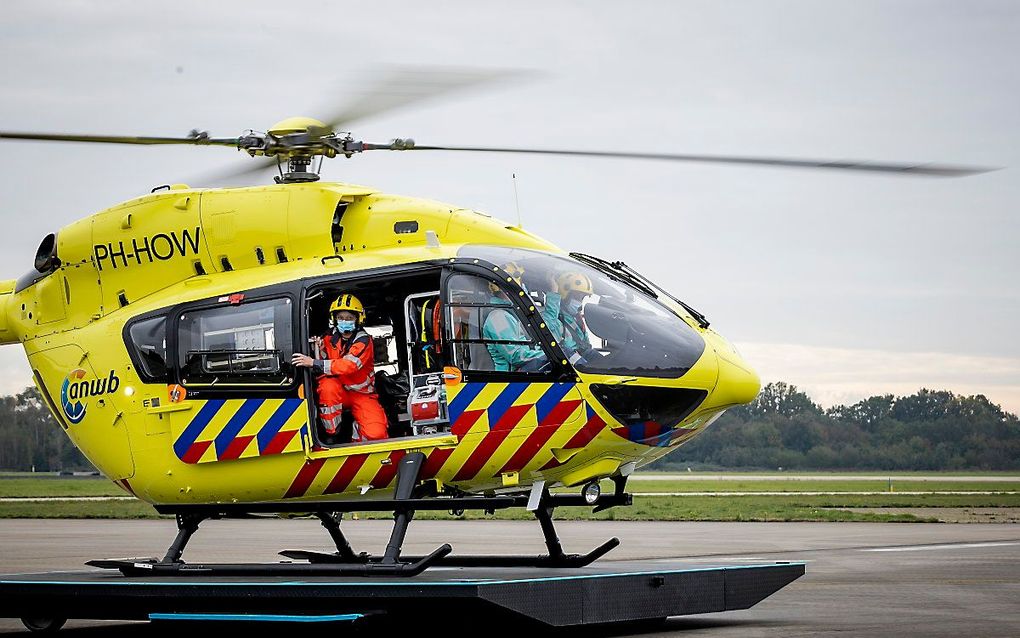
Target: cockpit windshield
<point>603,326</point>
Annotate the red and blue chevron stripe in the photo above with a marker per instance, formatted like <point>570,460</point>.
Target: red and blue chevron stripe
<point>540,410</point>
<point>592,427</point>
<point>241,428</point>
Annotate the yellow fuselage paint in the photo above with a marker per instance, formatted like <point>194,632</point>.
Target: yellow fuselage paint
<point>185,245</point>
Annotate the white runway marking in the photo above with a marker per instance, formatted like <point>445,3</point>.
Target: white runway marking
<point>54,499</point>
<point>57,499</point>
<point>921,548</point>
<point>991,478</point>
<point>946,493</point>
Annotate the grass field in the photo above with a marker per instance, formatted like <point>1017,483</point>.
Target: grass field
<point>747,507</point>
<point>77,509</point>
<point>823,474</point>
<point>49,487</point>
<point>758,508</point>
<point>75,487</point>
<point>850,484</point>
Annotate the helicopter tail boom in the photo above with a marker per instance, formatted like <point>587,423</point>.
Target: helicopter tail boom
<point>7,334</point>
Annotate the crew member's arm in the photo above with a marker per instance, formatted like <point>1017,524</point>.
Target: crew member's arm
<point>299,360</point>
<point>503,325</point>
<point>349,367</point>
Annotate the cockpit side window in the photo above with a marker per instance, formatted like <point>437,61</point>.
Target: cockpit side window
<point>485,330</point>
<point>147,342</point>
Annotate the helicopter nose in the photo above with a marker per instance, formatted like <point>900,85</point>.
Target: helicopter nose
<point>738,383</point>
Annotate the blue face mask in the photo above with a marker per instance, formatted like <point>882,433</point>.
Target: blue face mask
<point>345,326</point>
<point>574,306</point>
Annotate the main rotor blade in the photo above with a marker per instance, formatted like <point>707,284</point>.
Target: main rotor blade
<point>234,177</point>
<point>197,140</point>
<point>403,86</point>
<point>938,170</point>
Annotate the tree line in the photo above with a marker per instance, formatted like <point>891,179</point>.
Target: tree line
<point>927,430</point>
<point>31,439</point>
<point>782,428</point>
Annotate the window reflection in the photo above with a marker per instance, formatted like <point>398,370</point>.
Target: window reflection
<point>485,330</point>
<point>602,325</point>
<point>251,343</point>
<point>148,339</point>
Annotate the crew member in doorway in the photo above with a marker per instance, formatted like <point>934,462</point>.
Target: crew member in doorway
<point>510,345</point>
<point>346,372</point>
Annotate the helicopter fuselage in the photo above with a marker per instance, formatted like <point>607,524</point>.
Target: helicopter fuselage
<point>159,332</point>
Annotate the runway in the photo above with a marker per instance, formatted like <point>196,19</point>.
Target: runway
<point>862,579</point>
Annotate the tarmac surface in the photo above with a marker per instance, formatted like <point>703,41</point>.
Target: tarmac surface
<point>863,579</point>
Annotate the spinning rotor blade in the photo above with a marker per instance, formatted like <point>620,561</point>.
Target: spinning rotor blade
<point>228,177</point>
<point>399,87</point>
<point>403,86</point>
<point>197,139</point>
<point>936,170</point>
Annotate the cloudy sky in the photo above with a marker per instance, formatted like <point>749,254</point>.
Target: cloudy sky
<point>844,284</point>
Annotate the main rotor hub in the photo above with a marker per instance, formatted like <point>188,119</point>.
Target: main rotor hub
<point>293,125</point>
<point>300,140</point>
<point>296,141</point>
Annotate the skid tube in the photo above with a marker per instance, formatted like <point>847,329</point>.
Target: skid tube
<point>345,562</point>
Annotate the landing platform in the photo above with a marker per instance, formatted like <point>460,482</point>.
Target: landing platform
<point>609,592</point>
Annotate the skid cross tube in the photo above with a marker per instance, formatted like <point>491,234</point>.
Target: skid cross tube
<point>187,525</point>
<point>544,515</point>
<point>407,478</point>
<point>557,558</point>
<point>331,521</point>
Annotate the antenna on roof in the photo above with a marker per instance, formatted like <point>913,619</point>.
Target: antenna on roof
<point>517,203</point>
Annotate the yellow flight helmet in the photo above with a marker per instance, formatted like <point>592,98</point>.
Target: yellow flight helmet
<point>569,282</point>
<point>350,303</point>
<point>516,273</point>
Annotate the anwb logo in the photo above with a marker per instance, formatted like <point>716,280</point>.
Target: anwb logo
<point>76,389</point>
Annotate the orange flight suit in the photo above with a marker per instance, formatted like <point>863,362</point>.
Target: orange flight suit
<point>348,379</point>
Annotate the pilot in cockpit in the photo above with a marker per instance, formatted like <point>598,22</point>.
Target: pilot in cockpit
<point>551,307</point>
<point>572,288</point>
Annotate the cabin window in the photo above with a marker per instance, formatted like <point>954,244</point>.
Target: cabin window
<point>246,344</point>
<point>148,342</point>
<point>487,331</point>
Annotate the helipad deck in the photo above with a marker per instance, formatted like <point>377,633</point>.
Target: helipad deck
<point>609,592</point>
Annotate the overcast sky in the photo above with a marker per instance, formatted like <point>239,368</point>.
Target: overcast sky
<point>845,284</point>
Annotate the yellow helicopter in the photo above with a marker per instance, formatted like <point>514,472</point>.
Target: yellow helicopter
<point>161,332</point>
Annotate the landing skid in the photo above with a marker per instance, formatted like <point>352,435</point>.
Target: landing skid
<point>566,560</point>
<point>543,512</point>
<point>152,567</point>
<point>346,562</point>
